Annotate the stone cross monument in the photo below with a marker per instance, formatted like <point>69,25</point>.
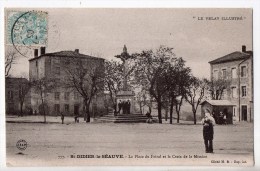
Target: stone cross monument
<point>126,94</point>
<point>124,56</point>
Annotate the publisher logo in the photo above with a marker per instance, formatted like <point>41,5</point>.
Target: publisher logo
<point>21,145</point>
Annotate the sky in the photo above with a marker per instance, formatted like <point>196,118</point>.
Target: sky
<point>104,32</point>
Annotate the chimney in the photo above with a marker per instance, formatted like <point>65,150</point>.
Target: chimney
<point>243,48</point>
<point>43,50</point>
<point>77,50</point>
<point>35,53</point>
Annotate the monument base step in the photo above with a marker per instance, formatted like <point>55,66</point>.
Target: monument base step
<point>122,118</point>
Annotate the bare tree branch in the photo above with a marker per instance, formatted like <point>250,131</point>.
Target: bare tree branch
<point>10,59</point>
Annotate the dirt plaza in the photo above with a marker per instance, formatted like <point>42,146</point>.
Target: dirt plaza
<point>79,144</point>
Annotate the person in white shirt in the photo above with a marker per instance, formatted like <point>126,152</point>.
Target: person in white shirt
<point>208,132</point>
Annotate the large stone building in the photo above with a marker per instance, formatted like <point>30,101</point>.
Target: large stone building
<point>238,68</point>
<point>62,98</point>
<point>17,95</point>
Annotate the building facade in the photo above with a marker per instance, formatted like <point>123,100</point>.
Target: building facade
<point>17,95</point>
<point>238,68</point>
<point>62,98</point>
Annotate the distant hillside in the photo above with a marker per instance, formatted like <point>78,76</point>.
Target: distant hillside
<point>186,112</point>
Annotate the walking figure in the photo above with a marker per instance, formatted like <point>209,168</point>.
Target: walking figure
<point>208,132</point>
<point>62,118</point>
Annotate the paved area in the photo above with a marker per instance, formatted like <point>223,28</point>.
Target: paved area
<point>82,144</point>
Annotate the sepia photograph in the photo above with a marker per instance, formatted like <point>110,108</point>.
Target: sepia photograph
<point>129,87</point>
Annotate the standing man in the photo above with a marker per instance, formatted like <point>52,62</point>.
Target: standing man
<point>221,116</point>
<point>62,118</point>
<point>128,106</point>
<point>119,106</point>
<point>76,118</point>
<point>124,107</point>
<point>208,132</point>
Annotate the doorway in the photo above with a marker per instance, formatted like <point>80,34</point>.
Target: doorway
<point>244,113</point>
<point>76,109</point>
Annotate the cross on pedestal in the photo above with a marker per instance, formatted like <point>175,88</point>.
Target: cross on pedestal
<point>124,56</point>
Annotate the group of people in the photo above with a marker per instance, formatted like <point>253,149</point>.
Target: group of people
<point>62,117</point>
<point>124,106</point>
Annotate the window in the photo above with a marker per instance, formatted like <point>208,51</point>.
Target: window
<point>10,95</point>
<point>76,95</point>
<point>57,96</point>
<point>56,61</point>
<point>234,73</point>
<point>66,107</point>
<point>21,90</point>
<point>215,74</point>
<point>243,91</point>
<point>67,62</point>
<point>243,71</point>
<point>224,73</point>
<point>234,111</point>
<point>233,92</point>
<point>66,95</point>
<point>224,94</point>
<point>57,108</point>
<point>57,70</point>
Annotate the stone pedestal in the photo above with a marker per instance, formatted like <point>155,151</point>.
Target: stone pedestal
<point>125,96</point>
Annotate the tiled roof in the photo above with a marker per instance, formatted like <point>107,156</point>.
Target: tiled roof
<point>218,102</point>
<point>67,54</point>
<point>231,57</point>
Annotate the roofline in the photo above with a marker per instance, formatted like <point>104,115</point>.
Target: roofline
<point>206,101</point>
<point>16,78</point>
<point>51,54</point>
<point>244,57</point>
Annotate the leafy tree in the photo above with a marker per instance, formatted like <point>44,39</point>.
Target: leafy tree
<point>177,82</point>
<point>151,72</point>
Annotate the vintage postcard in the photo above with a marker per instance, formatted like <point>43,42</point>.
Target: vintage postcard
<point>129,87</point>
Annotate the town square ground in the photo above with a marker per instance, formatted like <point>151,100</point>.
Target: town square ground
<point>81,144</point>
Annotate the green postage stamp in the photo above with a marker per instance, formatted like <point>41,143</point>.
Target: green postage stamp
<point>27,28</point>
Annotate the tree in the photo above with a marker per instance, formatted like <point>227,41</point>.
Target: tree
<point>178,104</point>
<point>142,99</point>
<point>195,94</point>
<point>113,79</point>
<point>177,77</point>
<point>43,86</point>
<point>87,78</point>
<point>24,88</point>
<point>151,72</point>
<point>10,59</point>
<point>217,87</point>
